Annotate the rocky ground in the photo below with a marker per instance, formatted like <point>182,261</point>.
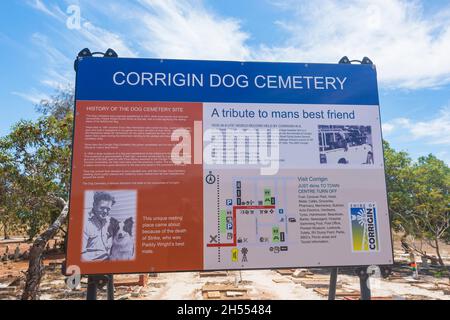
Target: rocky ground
<point>432,283</point>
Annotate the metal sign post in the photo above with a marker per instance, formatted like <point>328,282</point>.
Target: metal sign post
<point>92,288</point>
<point>364,283</point>
<point>95,282</point>
<point>333,283</point>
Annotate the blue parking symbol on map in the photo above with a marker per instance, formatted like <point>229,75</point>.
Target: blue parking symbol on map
<point>229,202</point>
<point>229,226</point>
<point>280,211</point>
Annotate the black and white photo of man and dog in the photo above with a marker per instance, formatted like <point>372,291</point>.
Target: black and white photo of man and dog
<point>109,225</point>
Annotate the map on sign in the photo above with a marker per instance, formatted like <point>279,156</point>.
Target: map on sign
<point>253,222</point>
<point>182,165</point>
<point>303,210</point>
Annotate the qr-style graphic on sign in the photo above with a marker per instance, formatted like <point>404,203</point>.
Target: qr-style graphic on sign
<point>364,229</point>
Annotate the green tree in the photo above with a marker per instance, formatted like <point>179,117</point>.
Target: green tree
<point>431,188</point>
<point>9,221</point>
<point>398,168</point>
<point>418,194</point>
<point>40,152</point>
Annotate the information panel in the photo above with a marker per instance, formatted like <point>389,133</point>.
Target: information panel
<point>183,165</point>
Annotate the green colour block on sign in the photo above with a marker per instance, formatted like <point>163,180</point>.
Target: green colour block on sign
<point>267,197</point>
<point>223,221</point>
<point>276,234</point>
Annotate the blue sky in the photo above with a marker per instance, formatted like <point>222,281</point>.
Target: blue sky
<point>409,41</point>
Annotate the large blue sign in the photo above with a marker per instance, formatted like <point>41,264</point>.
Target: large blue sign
<point>224,81</point>
<point>235,165</point>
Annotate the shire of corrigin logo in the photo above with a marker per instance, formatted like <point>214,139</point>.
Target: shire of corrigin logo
<point>364,229</point>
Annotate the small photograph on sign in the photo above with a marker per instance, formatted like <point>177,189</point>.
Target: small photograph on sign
<point>109,225</point>
<point>345,145</point>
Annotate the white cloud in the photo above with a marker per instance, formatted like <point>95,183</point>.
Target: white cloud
<point>40,6</point>
<point>166,29</point>
<point>183,30</point>
<point>89,34</point>
<point>57,72</point>
<point>95,37</point>
<point>34,96</point>
<point>409,48</point>
<point>57,65</point>
<point>435,131</point>
<point>388,128</point>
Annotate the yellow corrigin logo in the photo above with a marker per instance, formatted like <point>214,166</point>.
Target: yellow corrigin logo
<point>364,230</point>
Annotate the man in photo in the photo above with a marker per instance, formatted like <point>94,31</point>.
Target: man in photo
<point>96,241</point>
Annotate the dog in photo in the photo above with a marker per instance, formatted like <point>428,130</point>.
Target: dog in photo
<point>122,247</point>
